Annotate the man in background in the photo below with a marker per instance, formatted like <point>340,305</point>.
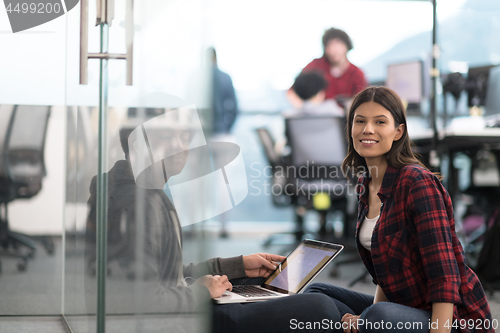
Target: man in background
<point>344,80</point>
<point>310,89</point>
<point>224,103</point>
<point>224,112</point>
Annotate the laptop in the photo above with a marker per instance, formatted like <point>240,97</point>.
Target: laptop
<point>292,276</point>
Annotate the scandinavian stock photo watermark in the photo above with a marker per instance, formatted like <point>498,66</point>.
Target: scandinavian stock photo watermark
<point>306,180</point>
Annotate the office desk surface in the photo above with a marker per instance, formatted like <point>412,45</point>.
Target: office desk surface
<point>455,139</point>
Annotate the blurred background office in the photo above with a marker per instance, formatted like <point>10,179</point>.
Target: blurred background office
<point>45,174</point>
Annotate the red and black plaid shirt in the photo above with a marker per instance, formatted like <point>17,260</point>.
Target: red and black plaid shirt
<point>351,82</point>
<point>416,257</point>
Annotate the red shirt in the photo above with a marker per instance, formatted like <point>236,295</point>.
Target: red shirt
<point>416,257</point>
<point>351,82</point>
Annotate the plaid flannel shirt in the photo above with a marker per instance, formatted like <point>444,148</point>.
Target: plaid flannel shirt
<point>416,256</point>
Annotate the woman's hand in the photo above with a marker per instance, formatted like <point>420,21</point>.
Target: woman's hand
<point>215,284</point>
<point>351,323</point>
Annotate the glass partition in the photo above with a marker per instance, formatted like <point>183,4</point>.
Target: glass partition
<point>31,168</point>
<point>124,235</point>
<point>167,181</point>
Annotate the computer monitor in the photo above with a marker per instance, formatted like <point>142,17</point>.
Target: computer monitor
<point>406,79</point>
<point>492,104</point>
<point>477,85</point>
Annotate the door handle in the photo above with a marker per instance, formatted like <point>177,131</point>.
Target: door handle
<point>105,15</point>
<point>105,11</point>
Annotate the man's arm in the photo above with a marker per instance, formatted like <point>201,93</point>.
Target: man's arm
<point>254,265</point>
<point>261,264</point>
<point>231,267</point>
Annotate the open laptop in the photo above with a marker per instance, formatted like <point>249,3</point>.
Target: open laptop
<point>291,277</point>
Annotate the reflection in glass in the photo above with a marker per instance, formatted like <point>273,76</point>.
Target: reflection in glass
<point>145,272</point>
<point>24,202</point>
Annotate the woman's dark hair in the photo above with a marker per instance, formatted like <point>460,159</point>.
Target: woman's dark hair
<point>309,84</point>
<point>401,153</point>
<point>333,33</point>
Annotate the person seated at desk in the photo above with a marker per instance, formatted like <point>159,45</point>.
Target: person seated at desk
<point>344,80</point>
<point>405,234</point>
<point>310,88</point>
<point>187,288</point>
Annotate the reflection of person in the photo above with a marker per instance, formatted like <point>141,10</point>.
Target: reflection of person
<point>186,288</point>
<point>163,238</point>
<point>344,79</point>
<point>310,88</point>
<point>405,233</point>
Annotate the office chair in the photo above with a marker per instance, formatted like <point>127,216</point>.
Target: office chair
<point>318,139</point>
<point>316,144</point>
<point>319,146</point>
<point>22,140</point>
<point>276,162</point>
<point>279,199</point>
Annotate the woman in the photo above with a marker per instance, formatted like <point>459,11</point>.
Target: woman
<point>405,234</point>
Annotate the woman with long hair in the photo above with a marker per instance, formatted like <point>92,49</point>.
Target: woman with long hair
<point>405,234</point>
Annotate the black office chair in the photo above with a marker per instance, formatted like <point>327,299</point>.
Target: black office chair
<point>279,198</point>
<point>22,139</point>
<point>318,145</point>
<point>276,162</point>
<point>318,139</point>
<point>318,148</point>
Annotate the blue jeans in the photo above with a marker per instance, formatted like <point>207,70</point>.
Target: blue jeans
<point>381,317</point>
<point>287,314</point>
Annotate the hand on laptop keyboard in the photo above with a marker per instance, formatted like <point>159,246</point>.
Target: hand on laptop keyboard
<point>215,284</point>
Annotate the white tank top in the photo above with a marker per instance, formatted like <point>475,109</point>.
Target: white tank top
<point>366,231</point>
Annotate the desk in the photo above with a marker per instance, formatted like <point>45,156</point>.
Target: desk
<point>487,138</point>
<point>451,141</point>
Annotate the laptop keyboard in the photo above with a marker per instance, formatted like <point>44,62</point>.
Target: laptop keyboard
<point>251,291</point>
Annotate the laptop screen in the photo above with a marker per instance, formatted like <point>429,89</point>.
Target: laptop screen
<point>301,266</point>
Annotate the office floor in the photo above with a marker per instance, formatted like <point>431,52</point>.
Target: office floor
<point>37,291</point>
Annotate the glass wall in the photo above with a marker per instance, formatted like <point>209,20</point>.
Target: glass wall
<point>170,70</point>
<point>124,183</point>
<point>32,162</point>
<point>124,236</point>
